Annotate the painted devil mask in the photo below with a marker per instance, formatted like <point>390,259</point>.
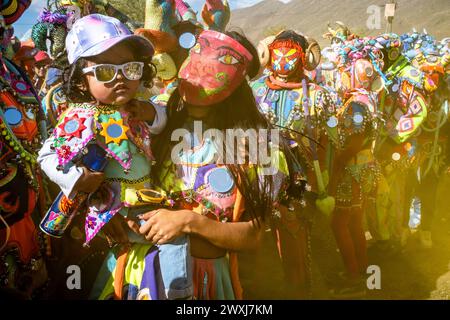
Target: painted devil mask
<point>287,59</point>
<point>216,66</point>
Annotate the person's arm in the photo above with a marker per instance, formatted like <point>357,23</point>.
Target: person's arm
<point>155,115</point>
<point>163,226</point>
<point>234,236</point>
<point>160,120</point>
<point>72,179</point>
<point>67,179</point>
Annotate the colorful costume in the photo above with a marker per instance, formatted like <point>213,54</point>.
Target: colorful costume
<point>200,184</point>
<point>197,183</point>
<point>361,181</point>
<point>97,6</point>
<point>127,144</point>
<point>299,108</point>
<point>22,195</point>
<point>53,25</point>
<point>350,71</point>
<point>340,34</point>
<point>24,57</point>
<point>357,85</point>
<point>197,179</point>
<point>165,23</point>
<point>429,60</point>
<point>404,108</point>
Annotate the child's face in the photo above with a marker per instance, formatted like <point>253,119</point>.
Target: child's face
<point>39,69</point>
<point>121,90</point>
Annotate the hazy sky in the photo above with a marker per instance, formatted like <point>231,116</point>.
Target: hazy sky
<point>30,16</point>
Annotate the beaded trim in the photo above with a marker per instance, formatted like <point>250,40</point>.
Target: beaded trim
<point>191,196</point>
<point>127,181</point>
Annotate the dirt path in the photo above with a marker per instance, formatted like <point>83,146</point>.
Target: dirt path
<point>409,273</point>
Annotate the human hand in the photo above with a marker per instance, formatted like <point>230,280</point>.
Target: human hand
<point>139,110</point>
<point>163,226</point>
<point>90,181</point>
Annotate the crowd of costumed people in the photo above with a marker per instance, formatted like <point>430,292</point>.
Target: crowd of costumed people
<point>91,175</point>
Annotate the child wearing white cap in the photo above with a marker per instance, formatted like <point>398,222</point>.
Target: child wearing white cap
<point>108,66</point>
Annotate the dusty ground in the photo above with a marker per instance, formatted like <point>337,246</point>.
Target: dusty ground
<point>410,273</point>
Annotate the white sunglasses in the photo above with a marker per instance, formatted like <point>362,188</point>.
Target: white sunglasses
<point>107,73</point>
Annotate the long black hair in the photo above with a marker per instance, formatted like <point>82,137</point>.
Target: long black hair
<point>238,111</point>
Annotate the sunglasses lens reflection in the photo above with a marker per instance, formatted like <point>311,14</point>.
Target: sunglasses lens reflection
<point>105,73</point>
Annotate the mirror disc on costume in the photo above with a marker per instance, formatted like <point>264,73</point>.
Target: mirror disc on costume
<point>71,126</point>
<point>414,73</point>
<point>394,54</point>
<point>332,122</point>
<point>395,87</point>
<point>114,130</point>
<point>20,86</point>
<point>13,116</point>
<point>187,40</point>
<point>273,96</point>
<point>396,156</point>
<point>260,92</point>
<point>432,59</point>
<point>294,95</point>
<point>220,180</point>
<point>358,118</point>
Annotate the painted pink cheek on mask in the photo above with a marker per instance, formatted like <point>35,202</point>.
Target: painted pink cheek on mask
<point>213,71</point>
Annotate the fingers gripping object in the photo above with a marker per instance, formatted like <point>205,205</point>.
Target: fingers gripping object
<point>63,210</point>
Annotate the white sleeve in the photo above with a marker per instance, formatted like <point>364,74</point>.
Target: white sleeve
<point>160,119</point>
<point>66,179</point>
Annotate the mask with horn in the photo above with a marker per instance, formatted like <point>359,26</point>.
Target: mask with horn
<point>339,34</point>
<point>263,50</point>
<point>292,53</point>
